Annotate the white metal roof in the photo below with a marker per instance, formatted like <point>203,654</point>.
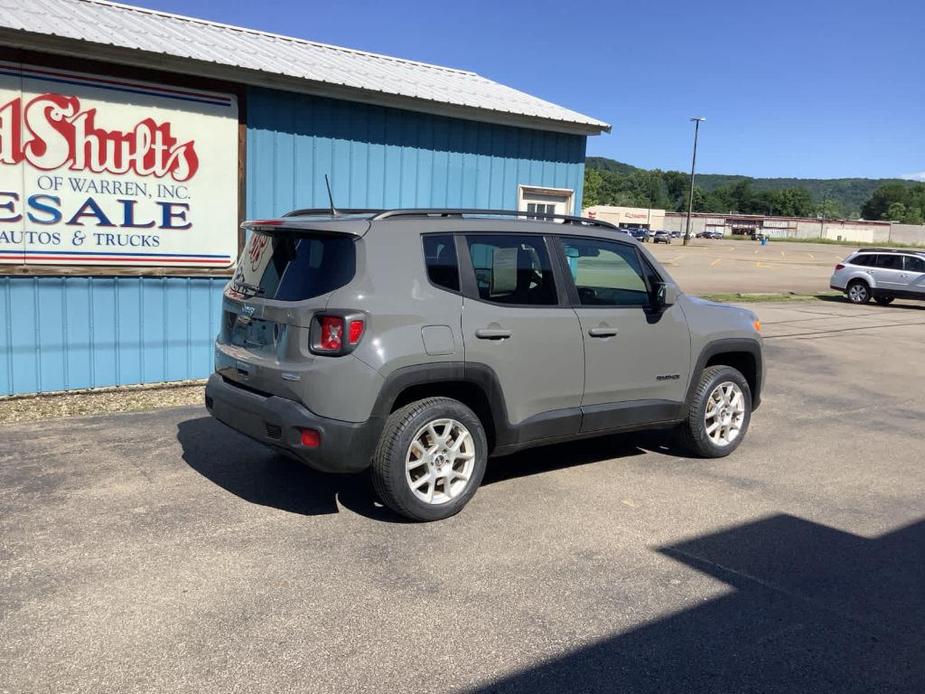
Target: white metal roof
<point>143,37</point>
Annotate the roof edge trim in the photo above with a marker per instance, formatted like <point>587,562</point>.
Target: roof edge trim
<point>17,38</point>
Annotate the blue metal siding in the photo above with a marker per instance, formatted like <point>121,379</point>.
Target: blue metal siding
<point>384,157</point>
<point>62,333</point>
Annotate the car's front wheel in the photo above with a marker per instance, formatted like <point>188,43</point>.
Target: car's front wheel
<point>718,414</point>
<point>430,459</point>
<point>858,292</point>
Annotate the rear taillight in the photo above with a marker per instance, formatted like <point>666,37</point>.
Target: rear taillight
<point>839,267</point>
<point>355,332</point>
<point>336,333</point>
<point>332,333</point>
<point>310,438</point>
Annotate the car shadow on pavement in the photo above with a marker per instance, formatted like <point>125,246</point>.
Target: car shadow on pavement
<point>547,458</point>
<point>808,608</point>
<point>909,304</point>
<point>259,475</point>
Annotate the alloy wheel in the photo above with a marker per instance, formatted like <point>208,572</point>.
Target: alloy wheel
<point>857,293</point>
<point>724,414</point>
<point>440,461</point>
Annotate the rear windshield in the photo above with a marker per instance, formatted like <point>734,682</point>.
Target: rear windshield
<point>291,266</point>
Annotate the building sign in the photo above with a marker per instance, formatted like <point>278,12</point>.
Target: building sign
<point>100,171</point>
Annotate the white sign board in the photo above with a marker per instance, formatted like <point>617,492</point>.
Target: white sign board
<point>106,171</point>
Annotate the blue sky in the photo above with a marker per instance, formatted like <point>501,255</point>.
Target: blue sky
<point>807,89</point>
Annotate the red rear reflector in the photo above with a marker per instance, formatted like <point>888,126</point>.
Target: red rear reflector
<point>311,438</point>
<point>332,333</point>
<point>355,331</point>
<point>839,267</point>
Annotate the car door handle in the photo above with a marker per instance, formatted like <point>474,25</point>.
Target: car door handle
<point>492,334</point>
<point>602,332</point>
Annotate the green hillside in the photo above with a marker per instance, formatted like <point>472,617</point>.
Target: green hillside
<point>612,165</point>
<point>617,183</point>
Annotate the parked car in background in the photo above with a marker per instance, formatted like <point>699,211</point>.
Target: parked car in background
<point>710,235</point>
<point>640,234</point>
<point>344,344</point>
<point>881,274</point>
<point>675,234</point>
<point>661,237</point>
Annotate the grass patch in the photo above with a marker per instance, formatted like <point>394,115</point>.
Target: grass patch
<point>830,242</point>
<point>742,297</point>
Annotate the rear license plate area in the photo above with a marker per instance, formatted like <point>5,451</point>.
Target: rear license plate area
<point>254,333</point>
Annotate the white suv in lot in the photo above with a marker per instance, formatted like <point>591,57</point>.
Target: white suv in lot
<point>881,274</point>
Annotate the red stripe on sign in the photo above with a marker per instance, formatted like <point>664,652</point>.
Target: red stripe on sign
<point>49,260</point>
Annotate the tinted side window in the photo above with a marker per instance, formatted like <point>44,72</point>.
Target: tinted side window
<point>512,269</point>
<point>914,264</point>
<point>440,258</point>
<point>864,260</point>
<point>890,262</point>
<point>606,273</point>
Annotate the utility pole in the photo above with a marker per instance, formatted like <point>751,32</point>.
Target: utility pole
<point>825,202</point>
<point>697,120</point>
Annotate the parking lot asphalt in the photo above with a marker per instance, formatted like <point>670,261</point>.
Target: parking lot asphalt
<point>160,551</point>
<point>727,266</point>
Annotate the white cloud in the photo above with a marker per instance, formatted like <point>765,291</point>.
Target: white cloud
<point>920,176</point>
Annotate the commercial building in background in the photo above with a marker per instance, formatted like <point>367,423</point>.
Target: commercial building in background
<point>133,143</point>
<point>860,231</point>
<point>628,217</point>
<point>852,230</point>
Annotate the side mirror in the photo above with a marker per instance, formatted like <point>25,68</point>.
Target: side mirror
<point>666,295</point>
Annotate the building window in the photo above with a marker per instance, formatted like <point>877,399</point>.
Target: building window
<point>539,210</point>
<point>538,202</point>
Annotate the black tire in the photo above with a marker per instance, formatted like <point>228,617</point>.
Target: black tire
<point>884,300</point>
<point>388,468</point>
<point>858,292</point>
<point>693,432</point>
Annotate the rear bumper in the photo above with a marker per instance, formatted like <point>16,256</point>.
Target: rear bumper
<point>276,422</point>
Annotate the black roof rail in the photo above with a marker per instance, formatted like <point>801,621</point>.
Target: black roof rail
<point>326,211</point>
<point>462,212</point>
<point>918,251</point>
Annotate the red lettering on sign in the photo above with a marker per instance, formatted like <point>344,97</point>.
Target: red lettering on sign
<point>59,134</point>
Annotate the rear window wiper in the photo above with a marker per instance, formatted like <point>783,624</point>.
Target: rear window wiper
<point>252,288</point>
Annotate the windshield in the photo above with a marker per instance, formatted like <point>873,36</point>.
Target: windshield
<point>290,266</point>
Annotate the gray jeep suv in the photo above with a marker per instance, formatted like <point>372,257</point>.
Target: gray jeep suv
<point>418,343</point>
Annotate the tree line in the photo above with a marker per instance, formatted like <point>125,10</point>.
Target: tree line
<point>897,202</point>
<point>608,182</point>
